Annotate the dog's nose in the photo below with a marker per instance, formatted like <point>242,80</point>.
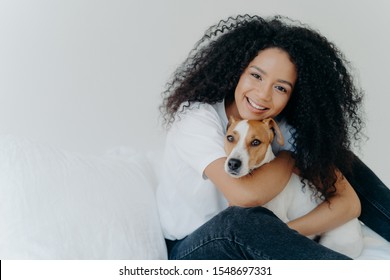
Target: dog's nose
<point>234,164</point>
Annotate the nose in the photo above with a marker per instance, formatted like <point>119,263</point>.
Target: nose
<point>264,92</point>
<point>234,164</point>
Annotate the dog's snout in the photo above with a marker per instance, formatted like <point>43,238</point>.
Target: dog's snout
<point>234,164</point>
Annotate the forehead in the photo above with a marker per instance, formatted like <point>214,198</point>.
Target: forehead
<point>258,129</point>
<point>240,127</point>
<point>276,62</point>
<point>251,129</point>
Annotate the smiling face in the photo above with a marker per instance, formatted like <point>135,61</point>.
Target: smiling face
<point>264,87</point>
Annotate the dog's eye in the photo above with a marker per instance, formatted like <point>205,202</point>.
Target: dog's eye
<point>255,143</point>
<point>230,138</point>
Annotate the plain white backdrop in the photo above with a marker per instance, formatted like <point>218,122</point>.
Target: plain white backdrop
<point>87,75</point>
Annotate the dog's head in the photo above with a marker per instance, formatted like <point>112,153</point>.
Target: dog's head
<point>248,145</point>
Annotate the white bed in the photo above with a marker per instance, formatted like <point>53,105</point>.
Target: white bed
<point>55,204</point>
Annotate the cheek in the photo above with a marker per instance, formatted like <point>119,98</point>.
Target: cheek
<point>241,87</point>
<point>256,155</point>
<point>238,93</point>
<point>280,103</point>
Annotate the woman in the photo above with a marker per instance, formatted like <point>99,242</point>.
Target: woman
<point>254,68</point>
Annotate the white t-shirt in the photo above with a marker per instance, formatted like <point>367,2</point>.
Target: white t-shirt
<point>185,197</point>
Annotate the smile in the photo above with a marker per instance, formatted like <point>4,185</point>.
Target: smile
<point>255,106</point>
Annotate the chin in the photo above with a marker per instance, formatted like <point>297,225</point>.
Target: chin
<point>255,117</point>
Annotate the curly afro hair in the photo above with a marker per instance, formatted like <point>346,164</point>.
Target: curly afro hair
<point>324,108</point>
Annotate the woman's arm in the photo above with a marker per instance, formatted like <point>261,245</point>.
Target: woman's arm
<point>253,189</point>
<point>342,207</point>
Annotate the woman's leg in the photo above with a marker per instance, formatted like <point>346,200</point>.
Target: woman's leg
<point>374,197</point>
<point>248,233</point>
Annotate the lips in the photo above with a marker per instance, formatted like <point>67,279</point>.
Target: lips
<point>255,105</point>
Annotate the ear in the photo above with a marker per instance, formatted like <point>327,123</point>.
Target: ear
<point>275,128</point>
<point>231,121</point>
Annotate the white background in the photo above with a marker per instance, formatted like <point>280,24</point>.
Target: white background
<point>87,75</point>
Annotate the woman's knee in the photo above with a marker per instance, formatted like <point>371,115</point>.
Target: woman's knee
<point>248,220</point>
<point>228,235</point>
<point>244,214</point>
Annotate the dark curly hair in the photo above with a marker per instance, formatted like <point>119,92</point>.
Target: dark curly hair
<point>324,108</point>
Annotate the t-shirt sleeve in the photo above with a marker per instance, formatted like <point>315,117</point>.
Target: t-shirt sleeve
<point>197,136</point>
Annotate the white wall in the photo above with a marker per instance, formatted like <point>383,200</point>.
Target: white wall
<point>86,75</point>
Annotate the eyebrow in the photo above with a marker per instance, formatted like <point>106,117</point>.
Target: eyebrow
<point>265,73</point>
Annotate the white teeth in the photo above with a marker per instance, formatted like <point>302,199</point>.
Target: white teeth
<point>254,105</point>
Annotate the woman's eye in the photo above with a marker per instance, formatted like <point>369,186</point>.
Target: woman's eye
<point>255,143</point>
<point>230,138</point>
<point>280,88</point>
<point>256,76</point>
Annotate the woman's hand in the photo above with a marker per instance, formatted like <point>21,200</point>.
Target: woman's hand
<point>256,188</point>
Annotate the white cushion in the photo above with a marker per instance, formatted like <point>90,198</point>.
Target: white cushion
<point>55,204</point>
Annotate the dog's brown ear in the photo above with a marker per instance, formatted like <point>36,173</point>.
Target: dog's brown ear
<point>275,128</point>
<point>231,121</point>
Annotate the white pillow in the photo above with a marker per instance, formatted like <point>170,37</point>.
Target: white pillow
<point>55,204</point>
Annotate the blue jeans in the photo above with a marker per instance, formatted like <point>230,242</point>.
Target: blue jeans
<point>256,233</point>
<point>248,234</point>
<point>374,197</point>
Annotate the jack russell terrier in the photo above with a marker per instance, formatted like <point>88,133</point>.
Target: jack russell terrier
<point>248,146</point>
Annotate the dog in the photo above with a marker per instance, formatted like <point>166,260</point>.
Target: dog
<point>248,146</point>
